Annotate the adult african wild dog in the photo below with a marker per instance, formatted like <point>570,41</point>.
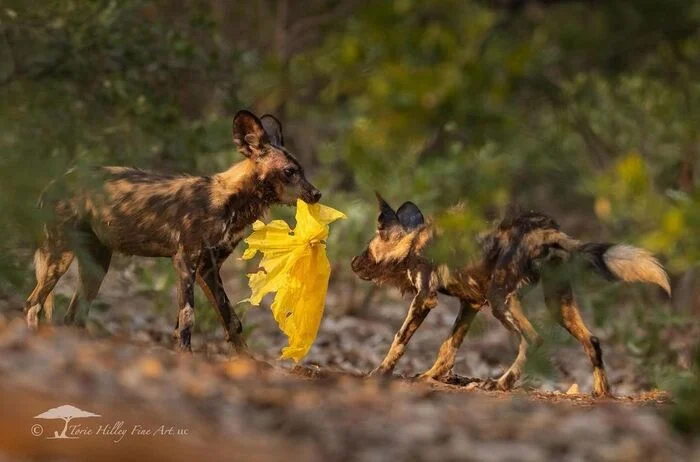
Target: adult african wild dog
<point>523,249</point>
<point>195,220</point>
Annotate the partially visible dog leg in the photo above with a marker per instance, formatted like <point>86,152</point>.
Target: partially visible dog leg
<point>186,269</point>
<point>559,298</point>
<point>513,322</point>
<point>209,280</point>
<point>515,308</point>
<point>448,350</point>
<point>93,264</point>
<point>423,302</point>
<point>416,314</point>
<point>51,264</point>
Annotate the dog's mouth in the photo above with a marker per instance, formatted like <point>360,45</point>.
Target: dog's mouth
<point>311,195</point>
<point>354,263</point>
<point>305,191</point>
<point>359,267</point>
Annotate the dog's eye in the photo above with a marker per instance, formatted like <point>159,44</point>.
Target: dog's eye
<point>289,172</point>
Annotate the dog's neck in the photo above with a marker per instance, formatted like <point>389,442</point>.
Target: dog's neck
<point>241,194</point>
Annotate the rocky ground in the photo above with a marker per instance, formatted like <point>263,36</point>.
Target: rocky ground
<point>155,404</point>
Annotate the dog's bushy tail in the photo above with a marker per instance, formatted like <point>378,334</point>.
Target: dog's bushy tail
<point>623,262</point>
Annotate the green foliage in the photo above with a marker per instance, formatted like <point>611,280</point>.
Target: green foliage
<point>685,414</point>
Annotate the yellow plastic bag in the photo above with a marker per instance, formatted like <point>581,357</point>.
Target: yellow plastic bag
<point>295,266</point>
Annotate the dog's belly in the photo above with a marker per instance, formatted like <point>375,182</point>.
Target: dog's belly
<point>166,243</point>
<point>139,244</point>
<point>148,250</point>
<point>129,237</point>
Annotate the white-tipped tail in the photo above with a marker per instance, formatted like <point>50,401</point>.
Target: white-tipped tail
<point>632,264</point>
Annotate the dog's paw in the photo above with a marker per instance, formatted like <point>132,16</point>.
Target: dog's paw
<point>380,372</point>
<point>32,317</point>
<point>428,378</point>
<point>238,346</point>
<point>507,382</point>
<point>602,393</point>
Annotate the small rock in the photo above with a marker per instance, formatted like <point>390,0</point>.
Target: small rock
<point>239,368</point>
<point>151,368</point>
<point>573,390</point>
<point>472,386</point>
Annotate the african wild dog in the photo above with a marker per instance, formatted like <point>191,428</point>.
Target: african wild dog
<point>523,249</point>
<point>197,221</point>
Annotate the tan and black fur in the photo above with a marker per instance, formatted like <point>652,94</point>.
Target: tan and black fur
<point>196,221</point>
<point>522,250</point>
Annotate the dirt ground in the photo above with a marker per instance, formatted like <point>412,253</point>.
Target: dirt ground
<point>155,404</point>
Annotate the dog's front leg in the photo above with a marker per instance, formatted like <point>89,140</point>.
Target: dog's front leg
<point>421,305</point>
<point>209,280</point>
<point>186,267</point>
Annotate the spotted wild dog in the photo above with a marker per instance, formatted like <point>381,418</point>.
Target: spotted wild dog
<point>523,249</point>
<point>197,221</point>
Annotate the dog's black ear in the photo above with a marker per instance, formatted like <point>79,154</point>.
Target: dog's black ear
<point>387,217</point>
<point>273,128</point>
<point>249,135</point>
<point>409,216</point>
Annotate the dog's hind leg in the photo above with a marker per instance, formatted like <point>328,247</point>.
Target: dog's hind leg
<point>51,261</point>
<point>93,264</point>
<point>512,317</point>
<point>448,350</point>
<point>515,307</point>
<point>559,298</point>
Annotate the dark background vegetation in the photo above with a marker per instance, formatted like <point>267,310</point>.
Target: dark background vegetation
<point>587,110</point>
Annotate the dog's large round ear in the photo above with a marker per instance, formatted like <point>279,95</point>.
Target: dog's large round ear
<point>387,217</point>
<point>273,128</point>
<point>248,133</point>
<point>410,216</point>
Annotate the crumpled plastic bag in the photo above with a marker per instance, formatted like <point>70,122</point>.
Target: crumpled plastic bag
<point>294,265</point>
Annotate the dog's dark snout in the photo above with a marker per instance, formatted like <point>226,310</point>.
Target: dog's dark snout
<point>358,265</point>
<point>310,193</point>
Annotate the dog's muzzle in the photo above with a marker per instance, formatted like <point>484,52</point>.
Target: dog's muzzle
<point>359,266</point>
<point>311,194</point>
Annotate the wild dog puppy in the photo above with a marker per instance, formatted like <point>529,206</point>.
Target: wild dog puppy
<point>196,221</point>
<point>522,250</point>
